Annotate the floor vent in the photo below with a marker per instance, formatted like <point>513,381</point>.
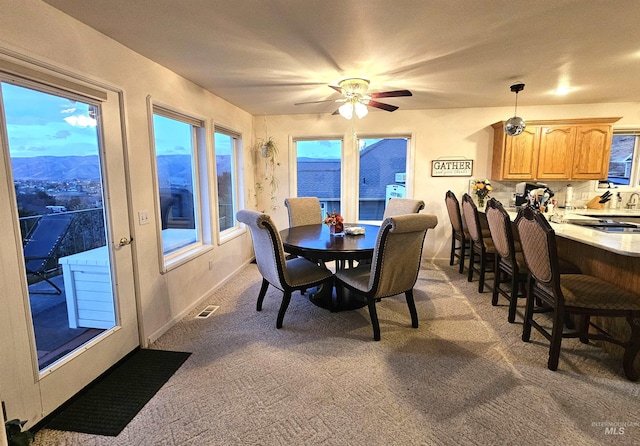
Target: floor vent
<point>208,311</point>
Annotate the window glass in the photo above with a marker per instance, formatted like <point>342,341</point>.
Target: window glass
<point>319,169</point>
<point>383,165</point>
<point>621,159</point>
<point>54,149</point>
<point>176,156</point>
<point>226,156</point>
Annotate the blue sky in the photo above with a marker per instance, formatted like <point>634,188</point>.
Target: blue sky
<point>42,124</point>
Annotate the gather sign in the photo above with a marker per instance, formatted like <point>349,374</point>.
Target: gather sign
<point>451,168</point>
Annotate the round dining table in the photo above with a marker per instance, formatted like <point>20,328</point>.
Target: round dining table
<point>318,244</point>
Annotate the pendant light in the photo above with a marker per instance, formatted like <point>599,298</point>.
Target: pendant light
<point>514,126</point>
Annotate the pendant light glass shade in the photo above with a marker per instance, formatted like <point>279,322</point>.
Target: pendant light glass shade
<point>514,126</point>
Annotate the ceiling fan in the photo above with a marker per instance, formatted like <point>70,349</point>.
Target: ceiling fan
<point>356,99</point>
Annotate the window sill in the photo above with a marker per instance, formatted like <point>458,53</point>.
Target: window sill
<point>230,234</point>
<point>181,259</point>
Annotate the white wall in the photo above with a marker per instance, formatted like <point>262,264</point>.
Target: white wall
<point>34,30</point>
<point>436,133</point>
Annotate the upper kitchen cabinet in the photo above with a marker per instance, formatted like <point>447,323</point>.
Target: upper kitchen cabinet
<point>555,158</point>
<point>514,157</point>
<point>591,155</point>
<point>553,150</point>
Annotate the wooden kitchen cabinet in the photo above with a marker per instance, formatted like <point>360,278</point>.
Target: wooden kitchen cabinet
<point>515,158</point>
<point>553,150</point>
<point>555,156</point>
<point>592,151</point>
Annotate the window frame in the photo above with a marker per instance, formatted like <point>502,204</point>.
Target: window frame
<point>634,179</point>
<point>202,209</point>
<point>237,183</point>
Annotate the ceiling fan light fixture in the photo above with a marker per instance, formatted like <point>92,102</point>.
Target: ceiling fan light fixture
<point>361,110</point>
<point>354,86</point>
<point>346,110</point>
<point>516,125</point>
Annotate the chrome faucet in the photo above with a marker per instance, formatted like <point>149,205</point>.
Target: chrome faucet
<point>633,200</point>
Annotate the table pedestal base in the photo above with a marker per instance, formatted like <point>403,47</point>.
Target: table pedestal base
<point>335,298</point>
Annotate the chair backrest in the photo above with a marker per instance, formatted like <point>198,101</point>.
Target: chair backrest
<point>402,206</point>
<point>267,246</point>
<point>453,208</point>
<point>304,211</point>
<point>472,218</point>
<point>501,231</point>
<point>539,248</point>
<point>41,243</point>
<point>397,254</point>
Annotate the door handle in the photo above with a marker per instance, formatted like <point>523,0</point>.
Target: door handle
<point>124,241</point>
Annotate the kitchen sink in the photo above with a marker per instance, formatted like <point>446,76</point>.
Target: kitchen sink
<point>611,226</point>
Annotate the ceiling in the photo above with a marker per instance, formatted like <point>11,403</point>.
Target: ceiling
<point>266,55</point>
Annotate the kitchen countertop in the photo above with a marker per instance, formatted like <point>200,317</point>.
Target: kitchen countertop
<point>623,244</point>
<point>606,212</point>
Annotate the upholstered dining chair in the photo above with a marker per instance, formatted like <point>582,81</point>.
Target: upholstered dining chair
<point>508,259</point>
<point>286,275</point>
<point>304,211</point>
<point>401,206</point>
<point>581,295</point>
<point>394,267</point>
<point>460,240</point>
<point>481,244</point>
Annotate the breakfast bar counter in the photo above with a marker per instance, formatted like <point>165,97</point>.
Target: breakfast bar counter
<point>625,244</point>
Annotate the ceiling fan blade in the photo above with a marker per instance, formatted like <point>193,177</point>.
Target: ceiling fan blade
<point>382,106</point>
<point>338,89</point>
<point>391,94</point>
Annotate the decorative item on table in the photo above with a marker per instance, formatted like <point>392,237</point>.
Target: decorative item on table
<point>335,222</point>
<point>482,190</point>
<point>354,230</point>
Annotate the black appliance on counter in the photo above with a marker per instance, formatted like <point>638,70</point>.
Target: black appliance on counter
<point>523,189</point>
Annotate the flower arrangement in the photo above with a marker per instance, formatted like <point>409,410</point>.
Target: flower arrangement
<point>334,221</point>
<point>482,190</point>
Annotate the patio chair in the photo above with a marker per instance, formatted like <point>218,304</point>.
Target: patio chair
<point>287,275</point>
<point>40,247</point>
<point>395,265</point>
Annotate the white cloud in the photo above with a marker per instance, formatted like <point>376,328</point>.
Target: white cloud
<point>80,121</point>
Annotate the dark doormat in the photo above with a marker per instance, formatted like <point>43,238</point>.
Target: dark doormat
<point>106,406</point>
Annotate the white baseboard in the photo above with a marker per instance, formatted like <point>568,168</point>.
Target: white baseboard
<point>153,337</point>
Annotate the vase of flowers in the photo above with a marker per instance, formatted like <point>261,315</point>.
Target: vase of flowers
<point>482,190</point>
<point>335,222</point>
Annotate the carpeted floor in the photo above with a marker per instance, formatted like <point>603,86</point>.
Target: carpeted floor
<point>463,377</point>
